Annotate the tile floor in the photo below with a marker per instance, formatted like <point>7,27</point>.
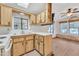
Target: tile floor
<point>33,53</point>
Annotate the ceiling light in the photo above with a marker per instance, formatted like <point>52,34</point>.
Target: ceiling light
<point>69,14</point>
<point>25,5</point>
<point>22,14</point>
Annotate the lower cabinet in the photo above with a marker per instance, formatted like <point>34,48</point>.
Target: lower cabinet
<point>39,44</point>
<point>41,47</point>
<point>22,44</point>
<point>25,44</point>
<point>18,49</point>
<point>28,45</point>
<point>43,44</point>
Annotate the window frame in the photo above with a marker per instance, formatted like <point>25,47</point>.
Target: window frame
<point>21,19</point>
<point>69,27</point>
<point>50,28</point>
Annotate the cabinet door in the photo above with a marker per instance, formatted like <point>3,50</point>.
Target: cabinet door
<point>41,48</point>
<point>33,19</point>
<point>29,45</point>
<point>48,45</point>
<point>38,19</point>
<point>36,44</point>
<point>18,48</point>
<point>39,44</point>
<point>49,13</point>
<point>6,15</point>
<point>43,17</point>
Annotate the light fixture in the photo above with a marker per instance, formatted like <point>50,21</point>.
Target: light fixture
<point>69,14</point>
<point>22,14</point>
<point>25,5</point>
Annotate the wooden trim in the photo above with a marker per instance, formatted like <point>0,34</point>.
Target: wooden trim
<point>71,20</point>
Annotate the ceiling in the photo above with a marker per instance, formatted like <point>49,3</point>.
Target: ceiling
<point>62,7</point>
<point>34,8</point>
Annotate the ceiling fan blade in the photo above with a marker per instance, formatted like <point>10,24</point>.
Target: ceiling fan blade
<point>75,12</point>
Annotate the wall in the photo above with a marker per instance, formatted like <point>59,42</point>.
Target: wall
<point>38,28</point>
<point>4,30</point>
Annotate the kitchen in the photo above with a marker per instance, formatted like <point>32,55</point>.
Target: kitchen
<point>39,29</point>
<point>24,28</point>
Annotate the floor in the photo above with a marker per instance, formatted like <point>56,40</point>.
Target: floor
<point>63,47</point>
<point>33,53</point>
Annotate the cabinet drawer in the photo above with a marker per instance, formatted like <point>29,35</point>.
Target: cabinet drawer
<point>36,37</point>
<point>29,37</point>
<point>17,39</point>
<point>41,38</point>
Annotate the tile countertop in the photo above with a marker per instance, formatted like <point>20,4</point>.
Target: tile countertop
<point>42,33</point>
<point>29,33</point>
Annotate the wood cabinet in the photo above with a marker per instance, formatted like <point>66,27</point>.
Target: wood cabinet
<point>22,44</point>
<point>43,44</point>
<point>33,19</point>
<point>38,17</point>
<point>44,17</point>
<point>26,43</point>
<point>5,15</point>
<point>29,43</point>
<point>49,13</point>
<point>18,47</point>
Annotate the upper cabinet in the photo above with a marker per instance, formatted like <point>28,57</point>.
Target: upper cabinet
<point>5,15</point>
<point>45,17</point>
<point>33,19</point>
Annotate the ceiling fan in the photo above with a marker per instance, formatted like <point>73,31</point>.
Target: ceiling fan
<point>70,12</point>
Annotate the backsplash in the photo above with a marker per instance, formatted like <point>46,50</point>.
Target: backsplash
<point>4,30</point>
<point>38,28</point>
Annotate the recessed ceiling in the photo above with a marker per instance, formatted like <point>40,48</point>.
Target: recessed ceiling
<point>34,8</point>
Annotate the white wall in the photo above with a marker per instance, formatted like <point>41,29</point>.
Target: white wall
<point>38,28</point>
<point>4,30</point>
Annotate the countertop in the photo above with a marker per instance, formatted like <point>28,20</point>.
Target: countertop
<point>29,33</point>
<point>5,41</point>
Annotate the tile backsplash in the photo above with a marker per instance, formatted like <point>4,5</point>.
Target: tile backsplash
<point>4,30</point>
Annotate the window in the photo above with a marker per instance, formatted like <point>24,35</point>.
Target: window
<point>74,28</point>
<point>64,27</point>
<point>51,29</point>
<point>70,28</point>
<point>20,23</point>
